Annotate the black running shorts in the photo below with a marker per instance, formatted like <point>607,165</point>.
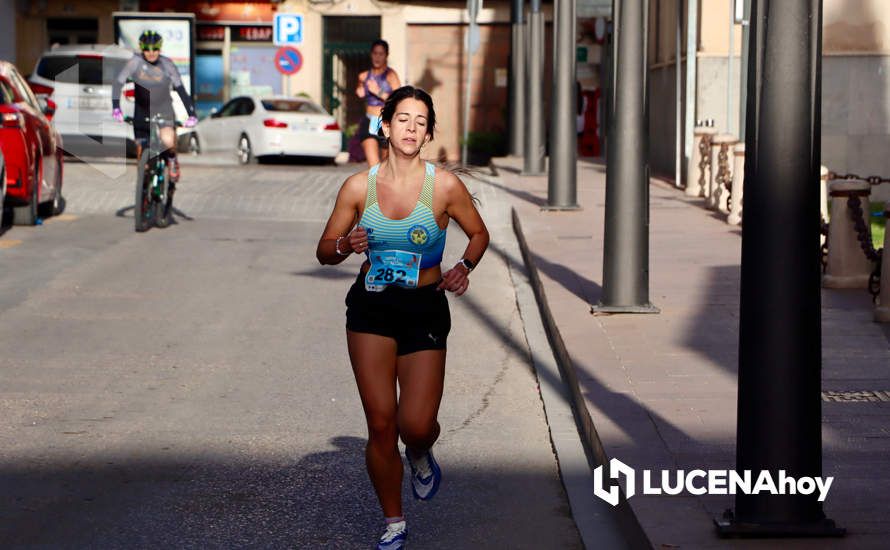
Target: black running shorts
<point>417,318</point>
<point>364,132</point>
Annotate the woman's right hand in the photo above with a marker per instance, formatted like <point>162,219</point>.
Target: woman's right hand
<point>358,240</point>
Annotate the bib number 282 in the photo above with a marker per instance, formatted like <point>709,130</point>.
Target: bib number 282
<point>391,275</point>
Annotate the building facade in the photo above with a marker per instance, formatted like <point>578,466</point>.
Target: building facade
<point>855,80</point>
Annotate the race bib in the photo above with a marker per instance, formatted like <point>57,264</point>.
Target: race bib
<point>392,267</point>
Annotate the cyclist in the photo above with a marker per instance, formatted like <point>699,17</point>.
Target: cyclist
<point>153,75</point>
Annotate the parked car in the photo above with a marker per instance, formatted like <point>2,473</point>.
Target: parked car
<point>261,126</point>
<point>32,147</point>
<point>78,78</point>
<point>2,186</point>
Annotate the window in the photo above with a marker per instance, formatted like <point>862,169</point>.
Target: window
<point>72,30</point>
<point>245,107</point>
<point>7,96</point>
<point>292,106</point>
<point>24,90</point>
<point>229,108</point>
<point>89,70</point>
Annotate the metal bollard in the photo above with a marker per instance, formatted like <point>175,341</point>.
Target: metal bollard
<point>847,266</point>
<point>723,176</point>
<point>736,191</point>
<point>882,310</point>
<point>697,173</point>
<point>823,198</point>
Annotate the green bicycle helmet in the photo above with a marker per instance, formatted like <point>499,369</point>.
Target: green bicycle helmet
<point>150,40</point>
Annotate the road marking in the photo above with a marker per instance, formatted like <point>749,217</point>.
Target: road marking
<point>9,243</point>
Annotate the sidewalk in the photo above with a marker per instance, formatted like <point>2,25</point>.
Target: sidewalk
<point>661,389</point>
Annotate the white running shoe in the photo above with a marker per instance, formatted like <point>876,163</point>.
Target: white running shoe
<point>425,475</point>
<point>394,536</point>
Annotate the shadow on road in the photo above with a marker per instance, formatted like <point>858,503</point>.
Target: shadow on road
<point>321,500</point>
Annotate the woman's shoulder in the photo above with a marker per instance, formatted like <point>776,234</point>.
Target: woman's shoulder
<point>446,180</point>
<point>356,183</point>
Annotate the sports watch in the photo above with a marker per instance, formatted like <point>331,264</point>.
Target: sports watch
<point>467,264</point>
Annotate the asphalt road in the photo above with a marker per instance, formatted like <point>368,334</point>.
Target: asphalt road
<point>189,387</point>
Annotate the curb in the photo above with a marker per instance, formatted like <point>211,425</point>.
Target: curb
<point>601,525</point>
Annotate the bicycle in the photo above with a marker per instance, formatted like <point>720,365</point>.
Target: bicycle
<point>154,189</point>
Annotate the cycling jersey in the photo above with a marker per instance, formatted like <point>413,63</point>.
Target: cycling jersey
<point>153,82</point>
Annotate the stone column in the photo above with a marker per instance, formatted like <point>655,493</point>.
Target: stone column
<point>738,181</point>
<point>882,311</point>
<point>696,174</point>
<point>847,266</point>
<point>720,193</point>
<point>711,189</point>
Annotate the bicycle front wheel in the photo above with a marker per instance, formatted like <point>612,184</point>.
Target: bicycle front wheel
<point>143,205</point>
<point>163,206</point>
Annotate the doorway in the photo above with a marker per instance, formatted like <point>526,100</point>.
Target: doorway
<point>347,48</point>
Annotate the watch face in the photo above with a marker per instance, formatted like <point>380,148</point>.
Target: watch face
<point>467,263</point>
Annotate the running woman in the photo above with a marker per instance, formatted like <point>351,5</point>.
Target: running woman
<point>375,85</point>
<point>153,75</point>
<point>397,316</point>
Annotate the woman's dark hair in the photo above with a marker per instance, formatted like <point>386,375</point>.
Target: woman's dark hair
<point>380,42</point>
<point>406,92</point>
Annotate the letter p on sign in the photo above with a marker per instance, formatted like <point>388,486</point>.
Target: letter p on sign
<point>288,29</point>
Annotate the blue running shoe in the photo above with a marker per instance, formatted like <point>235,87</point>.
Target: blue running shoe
<point>425,475</point>
<point>394,537</point>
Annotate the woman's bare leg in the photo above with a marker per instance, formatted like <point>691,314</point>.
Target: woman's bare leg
<point>372,151</point>
<point>374,365</point>
<point>421,378</point>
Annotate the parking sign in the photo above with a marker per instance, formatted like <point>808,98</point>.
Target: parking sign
<point>288,29</point>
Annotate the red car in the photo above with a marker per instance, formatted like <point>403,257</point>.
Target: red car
<point>32,148</point>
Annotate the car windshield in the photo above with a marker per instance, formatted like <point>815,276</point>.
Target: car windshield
<point>93,70</point>
<point>292,106</point>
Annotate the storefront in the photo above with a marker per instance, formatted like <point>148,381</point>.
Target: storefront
<point>234,50</point>
<point>232,60</point>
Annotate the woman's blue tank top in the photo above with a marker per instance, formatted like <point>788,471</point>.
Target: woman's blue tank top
<point>418,232</point>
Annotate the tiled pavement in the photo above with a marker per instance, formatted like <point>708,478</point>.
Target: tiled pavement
<point>661,389</point>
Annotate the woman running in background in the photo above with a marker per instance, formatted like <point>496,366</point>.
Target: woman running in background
<point>374,86</point>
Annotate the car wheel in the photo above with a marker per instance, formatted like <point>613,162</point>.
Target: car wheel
<point>54,207</point>
<point>245,153</point>
<point>194,145</point>
<point>28,214</point>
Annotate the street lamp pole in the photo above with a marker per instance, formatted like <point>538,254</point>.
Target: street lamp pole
<point>626,235</point>
<point>562,181</point>
<point>779,381</point>
<point>517,80</point>
<point>534,130</point>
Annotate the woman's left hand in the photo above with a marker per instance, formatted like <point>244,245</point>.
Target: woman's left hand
<point>456,280</point>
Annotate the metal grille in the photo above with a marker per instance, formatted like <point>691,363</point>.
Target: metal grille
<point>866,396</point>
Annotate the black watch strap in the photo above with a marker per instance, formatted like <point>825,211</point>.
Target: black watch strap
<point>467,264</point>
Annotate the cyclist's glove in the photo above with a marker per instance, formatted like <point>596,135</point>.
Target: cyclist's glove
<point>190,122</point>
<point>117,115</point>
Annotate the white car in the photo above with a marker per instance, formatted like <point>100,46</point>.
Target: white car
<point>78,78</point>
<point>263,126</point>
